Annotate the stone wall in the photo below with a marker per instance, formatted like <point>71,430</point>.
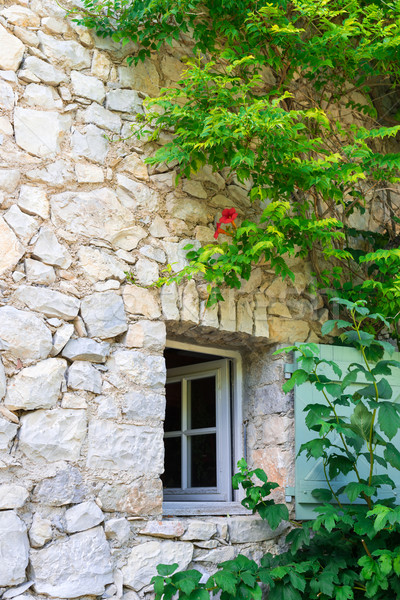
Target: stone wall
<point>82,371</point>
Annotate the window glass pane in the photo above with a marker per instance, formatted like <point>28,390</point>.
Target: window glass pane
<point>173,409</point>
<point>171,477</point>
<point>202,405</point>
<point>203,460</point>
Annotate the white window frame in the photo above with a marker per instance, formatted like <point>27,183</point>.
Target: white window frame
<point>232,506</point>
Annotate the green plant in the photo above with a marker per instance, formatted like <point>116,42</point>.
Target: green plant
<point>299,100</point>
<point>352,548</point>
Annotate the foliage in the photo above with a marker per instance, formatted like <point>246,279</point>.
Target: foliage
<point>351,551</point>
<point>299,101</point>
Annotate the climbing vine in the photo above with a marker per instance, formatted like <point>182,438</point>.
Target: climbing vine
<point>300,101</point>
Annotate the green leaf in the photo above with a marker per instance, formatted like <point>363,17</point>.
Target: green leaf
<point>322,494</point>
<point>226,581</point>
<point>299,376</point>
<point>389,419</point>
<point>355,489</point>
<point>344,592</point>
<point>274,514</point>
<point>361,421</point>
<point>298,581</point>
<point>392,455</point>
<point>166,570</point>
<point>384,390</point>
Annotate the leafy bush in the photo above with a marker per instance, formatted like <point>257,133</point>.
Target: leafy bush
<point>351,550</point>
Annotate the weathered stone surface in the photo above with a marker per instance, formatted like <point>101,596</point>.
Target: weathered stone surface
<point>117,529</point>
<point>292,330</point>
<point>88,87</point>
<point>134,165</point>
<point>61,337</point>
<point>64,488</point>
<point>133,448</point>
<point>103,118</point>
<point>53,435</point>
<point>143,560</point>
<point>91,214</point>
<point>83,376</point>
<point>136,195</point>
<point>147,334</point>
<point>38,386</point>
<point>76,566</point>
<point>86,349</point>
<point>7,98</point>
<point>3,383</point>
<point>200,530</point>
<point>100,65</point>
<point>49,250</point>
<point>9,180</point>
<point>153,253</point>
<point>139,301</point>
<point>124,101</point>
<point>23,225</point>
<point>42,96</point>
<point>10,248</point>
<point>56,173</point>
<point>143,77</point>
<point>172,67</point>
<point>44,71</point>
<point>90,144</point>
<point>8,431</point>
<point>40,132</point>
<point>164,529</point>
<point>12,496</point>
<point>104,315</point>
<point>142,497</point>
<point>83,516</point>
<point>21,15</point>
<point>217,555</point>
<point>27,336</point>
<point>135,367</point>
<point>99,265</point>
<point>14,548</point>
<point>86,173</point>
<point>33,201</point>
<point>146,271</point>
<point>188,209</point>
<point>169,302</point>
<point>190,303</point>
<point>40,532</point>
<point>68,54</point>
<point>248,529</point>
<point>128,238</point>
<point>11,50</point>
<point>143,405</point>
<point>48,302</point>
<point>37,272</point>
<point>18,592</point>
<point>73,400</point>
<point>176,254</point>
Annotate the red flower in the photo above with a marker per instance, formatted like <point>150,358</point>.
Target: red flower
<point>228,215</point>
<point>218,230</point>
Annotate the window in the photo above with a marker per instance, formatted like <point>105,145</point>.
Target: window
<point>202,429</point>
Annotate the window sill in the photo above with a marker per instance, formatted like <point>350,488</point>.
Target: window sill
<point>192,509</point>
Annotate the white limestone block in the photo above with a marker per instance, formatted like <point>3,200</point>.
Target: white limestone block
<point>11,50</point>
<point>8,431</point>
<point>127,101</point>
<point>145,370</point>
<point>53,435</point>
<point>104,315</point>
<point>61,337</point>
<point>90,144</point>
<point>42,96</point>
<point>134,194</point>
<point>33,201</point>
<point>38,386</point>
<point>26,335</point>
<point>139,301</point>
<point>143,405</point>
<point>38,272</point>
<point>7,96</point>
<point>50,251</point>
<point>78,565</point>
<point>68,54</point>
<point>12,496</point>
<point>44,71</point>
<point>88,86</point>
<point>23,225</point>
<point>48,302</point>
<point>9,180</point>
<point>86,173</point>
<point>146,271</point>
<point>143,560</point>
<point>14,548</point>
<point>86,349</point>
<point>133,448</point>
<point>83,376</point>
<point>11,249</point>
<point>83,516</point>
<point>99,265</point>
<point>40,532</point>
<point>117,529</point>
<point>40,132</point>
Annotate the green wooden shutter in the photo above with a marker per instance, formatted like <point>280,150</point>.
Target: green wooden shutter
<point>309,474</point>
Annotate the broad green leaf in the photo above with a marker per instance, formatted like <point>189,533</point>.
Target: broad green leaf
<point>388,419</point>
<point>392,455</point>
<point>166,570</point>
<point>361,421</point>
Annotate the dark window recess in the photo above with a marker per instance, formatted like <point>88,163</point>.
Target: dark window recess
<point>203,460</point>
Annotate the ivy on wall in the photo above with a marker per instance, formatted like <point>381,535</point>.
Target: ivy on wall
<point>301,101</point>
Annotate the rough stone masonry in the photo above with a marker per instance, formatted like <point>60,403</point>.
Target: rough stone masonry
<point>82,372</point>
